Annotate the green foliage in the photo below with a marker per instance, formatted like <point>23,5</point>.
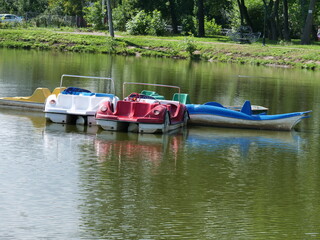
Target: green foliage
<point>111,44</point>
<point>188,25</point>
<point>120,18</point>
<point>295,20</point>
<point>284,43</point>
<point>143,24</point>
<point>9,25</point>
<point>20,7</point>
<point>139,24</point>
<point>121,15</point>
<point>157,24</point>
<point>188,45</point>
<point>211,28</point>
<point>94,16</point>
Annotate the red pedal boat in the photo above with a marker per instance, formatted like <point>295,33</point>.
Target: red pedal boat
<point>142,113</point>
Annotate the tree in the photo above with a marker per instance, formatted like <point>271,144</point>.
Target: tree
<point>200,17</point>
<point>173,15</point>
<point>244,15</point>
<point>305,39</point>
<point>286,31</point>
<point>110,18</point>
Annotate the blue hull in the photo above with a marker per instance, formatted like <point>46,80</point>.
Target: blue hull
<point>215,115</point>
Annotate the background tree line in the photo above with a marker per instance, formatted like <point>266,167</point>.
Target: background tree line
<point>276,19</point>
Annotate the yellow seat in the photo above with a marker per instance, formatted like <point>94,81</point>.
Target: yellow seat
<point>58,90</point>
<point>39,96</point>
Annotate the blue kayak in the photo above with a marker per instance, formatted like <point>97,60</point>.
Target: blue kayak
<point>214,114</point>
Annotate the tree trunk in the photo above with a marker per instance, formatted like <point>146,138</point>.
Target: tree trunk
<point>241,13</point>
<point>286,31</point>
<point>173,17</point>
<point>110,19</point>
<point>273,19</point>
<point>244,14</point>
<point>200,15</point>
<point>305,39</point>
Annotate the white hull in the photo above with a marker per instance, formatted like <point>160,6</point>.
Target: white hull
<point>110,125</point>
<point>73,108</point>
<point>285,124</point>
<point>66,118</point>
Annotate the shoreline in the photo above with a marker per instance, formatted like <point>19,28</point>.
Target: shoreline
<point>217,49</point>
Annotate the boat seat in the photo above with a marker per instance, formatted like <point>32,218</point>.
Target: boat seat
<point>58,90</point>
<point>123,108</point>
<point>39,95</point>
<point>148,93</point>
<point>95,101</point>
<point>152,94</point>
<point>183,98</point>
<point>75,91</point>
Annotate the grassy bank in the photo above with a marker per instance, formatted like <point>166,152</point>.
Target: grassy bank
<point>219,49</point>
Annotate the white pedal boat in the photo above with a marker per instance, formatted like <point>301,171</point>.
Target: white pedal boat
<point>76,105</point>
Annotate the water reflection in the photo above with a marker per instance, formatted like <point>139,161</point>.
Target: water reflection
<point>138,146</point>
<point>36,119</point>
<point>186,184</point>
<point>215,139</point>
<point>71,128</point>
<point>206,139</point>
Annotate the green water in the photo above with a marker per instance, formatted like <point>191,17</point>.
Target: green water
<point>75,182</point>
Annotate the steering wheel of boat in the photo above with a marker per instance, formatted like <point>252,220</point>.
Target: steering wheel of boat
<point>134,97</point>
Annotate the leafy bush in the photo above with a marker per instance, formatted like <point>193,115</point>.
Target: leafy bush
<point>143,23</point>
<point>120,16</point>
<point>188,25</point>
<point>139,24</point>
<point>211,28</point>
<point>94,16</point>
<point>157,25</point>
<point>188,45</point>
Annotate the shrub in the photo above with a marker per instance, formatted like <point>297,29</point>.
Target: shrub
<point>139,24</point>
<point>94,16</point>
<point>120,16</point>
<point>188,26</point>
<point>188,45</point>
<point>157,25</point>
<point>143,24</point>
<point>211,28</point>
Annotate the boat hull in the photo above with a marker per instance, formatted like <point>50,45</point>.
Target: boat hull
<point>81,119</point>
<point>110,125</point>
<point>74,109</point>
<point>222,117</point>
<point>285,124</point>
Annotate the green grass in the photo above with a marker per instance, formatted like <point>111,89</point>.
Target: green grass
<point>216,48</point>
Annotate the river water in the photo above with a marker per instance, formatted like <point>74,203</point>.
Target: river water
<point>75,182</point>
